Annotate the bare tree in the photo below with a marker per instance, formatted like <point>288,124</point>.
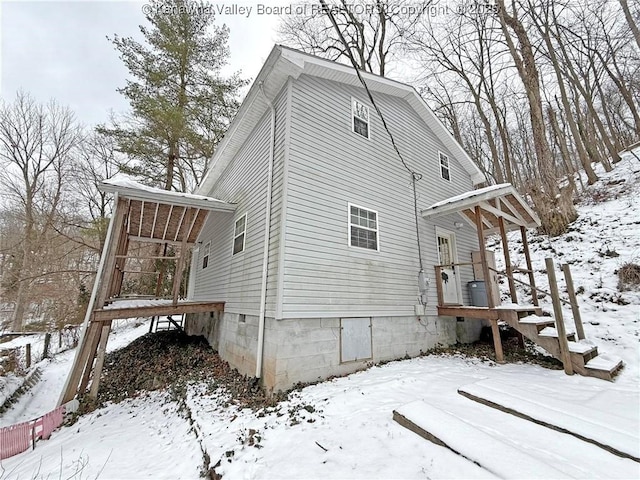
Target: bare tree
<point>36,144</point>
<point>376,31</point>
<point>554,206</point>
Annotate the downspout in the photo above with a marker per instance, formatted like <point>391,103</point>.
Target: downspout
<point>267,235</point>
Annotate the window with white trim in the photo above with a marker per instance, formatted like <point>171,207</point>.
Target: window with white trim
<point>444,166</point>
<point>239,234</point>
<point>359,118</point>
<point>205,255</point>
<point>363,228</point>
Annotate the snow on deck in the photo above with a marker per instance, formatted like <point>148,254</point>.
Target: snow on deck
<point>498,457</point>
<point>598,426</point>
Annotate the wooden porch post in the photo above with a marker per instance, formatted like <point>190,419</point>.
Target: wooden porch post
<point>179,271</point>
<point>83,361</point>
<point>102,348</point>
<point>507,260</point>
<point>507,263</point>
<point>497,342</point>
<point>527,256</point>
<point>565,354</point>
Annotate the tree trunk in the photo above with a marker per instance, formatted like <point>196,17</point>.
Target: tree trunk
<point>554,207</point>
<point>629,17</point>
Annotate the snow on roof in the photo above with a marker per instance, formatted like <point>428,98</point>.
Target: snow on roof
<point>475,193</point>
<point>126,187</point>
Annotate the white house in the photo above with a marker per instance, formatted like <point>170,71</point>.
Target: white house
<point>318,267</point>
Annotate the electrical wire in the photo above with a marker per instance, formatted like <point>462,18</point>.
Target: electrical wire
<point>415,176</point>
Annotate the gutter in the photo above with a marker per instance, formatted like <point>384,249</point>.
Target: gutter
<point>267,235</point>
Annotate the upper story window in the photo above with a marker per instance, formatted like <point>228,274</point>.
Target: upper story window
<point>444,166</point>
<point>239,234</point>
<point>360,118</point>
<point>363,228</point>
<point>205,255</point>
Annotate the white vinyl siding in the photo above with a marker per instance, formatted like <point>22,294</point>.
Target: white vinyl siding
<point>445,171</point>
<point>360,118</point>
<point>363,228</point>
<point>323,275</point>
<point>236,279</point>
<point>239,234</point>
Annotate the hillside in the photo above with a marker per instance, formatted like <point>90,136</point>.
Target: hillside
<point>343,428</point>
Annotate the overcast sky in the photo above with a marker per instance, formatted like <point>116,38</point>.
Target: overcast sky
<point>58,49</point>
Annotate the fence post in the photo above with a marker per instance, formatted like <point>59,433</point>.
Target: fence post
<point>47,342</point>
<point>59,340</point>
<point>577,319</point>
<point>28,355</point>
<point>557,312</point>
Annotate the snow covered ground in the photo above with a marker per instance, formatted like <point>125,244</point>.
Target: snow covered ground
<point>343,428</point>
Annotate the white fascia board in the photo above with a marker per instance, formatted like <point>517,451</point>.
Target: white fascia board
<point>136,191</point>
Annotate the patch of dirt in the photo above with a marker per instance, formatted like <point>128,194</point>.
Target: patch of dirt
<point>513,352</point>
<point>170,360</point>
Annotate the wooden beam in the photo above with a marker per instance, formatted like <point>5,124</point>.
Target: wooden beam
<point>501,214</point>
<point>557,312</point>
<point>504,201</point>
<point>575,309</point>
<point>91,355</point>
<point>527,256</point>
<point>477,313</point>
<point>179,271</point>
<point>439,291</point>
<point>166,225</point>
<point>507,261</point>
<point>180,223</point>
<point>156,240</point>
<point>497,342</point>
<point>97,371</point>
<point>156,310</point>
<point>155,218</point>
<point>84,353</point>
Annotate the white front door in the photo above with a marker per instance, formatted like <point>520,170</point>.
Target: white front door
<point>449,278</point>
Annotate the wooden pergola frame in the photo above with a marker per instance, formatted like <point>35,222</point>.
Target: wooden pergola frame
<point>142,214</point>
<point>490,210</point>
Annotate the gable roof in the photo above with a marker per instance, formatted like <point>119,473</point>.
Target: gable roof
<point>284,62</point>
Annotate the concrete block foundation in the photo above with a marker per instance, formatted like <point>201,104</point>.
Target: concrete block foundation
<point>308,350</point>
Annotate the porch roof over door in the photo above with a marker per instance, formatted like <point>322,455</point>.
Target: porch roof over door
<point>496,202</point>
<point>156,215</point>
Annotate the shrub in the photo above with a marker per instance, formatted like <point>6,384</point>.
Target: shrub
<point>628,276</point>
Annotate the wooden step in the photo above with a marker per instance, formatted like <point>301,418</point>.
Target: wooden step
<point>603,367</point>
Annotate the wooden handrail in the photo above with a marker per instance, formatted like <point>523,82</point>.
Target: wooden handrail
<point>539,290</point>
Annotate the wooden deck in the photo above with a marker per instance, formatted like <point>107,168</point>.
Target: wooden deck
<point>496,313</point>
<point>107,314</point>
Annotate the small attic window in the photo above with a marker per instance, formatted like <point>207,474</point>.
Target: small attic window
<point>360,118</point>
<point>444,167</point>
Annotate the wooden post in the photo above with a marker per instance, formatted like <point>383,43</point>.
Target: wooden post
<point>577,319</point>
<point>91,355</point>
<point>59,340</point>
<point>47,342</point>
<point>28,355</point>
<point>527,256</point>
<point>439,285</point>
<point>83,360</point>
<point>557,311</point>
<point>507,261</point>
<point>97,371</point>
<point>495,330</point>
